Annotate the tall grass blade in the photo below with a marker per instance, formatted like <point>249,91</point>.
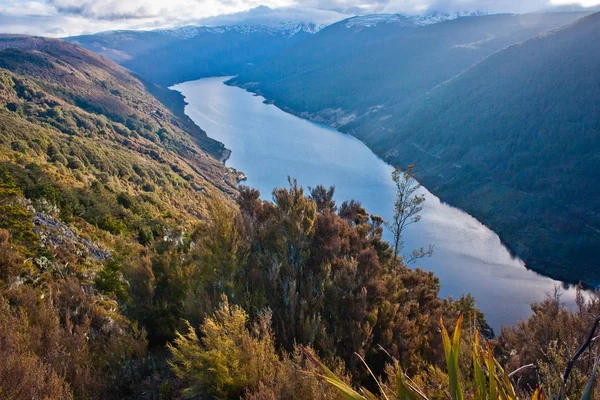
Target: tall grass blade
<point>588,394</point>
<point>373,376</point>
<point>328,376</point>
<point>539,394</point>
<point>404,390</point>
<point>451,350</point>
<point>479,376</point>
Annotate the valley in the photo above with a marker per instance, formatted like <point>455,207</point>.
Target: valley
<point>468,102</point>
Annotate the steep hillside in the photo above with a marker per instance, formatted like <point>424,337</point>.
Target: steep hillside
<point>515,141</point>
<point>173,56</point>
<point>351,68</point>
<point>115,231</point>
<point>94,170</point>
<point>88,123</point>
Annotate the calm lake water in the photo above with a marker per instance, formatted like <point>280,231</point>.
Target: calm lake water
<point>269,145</point>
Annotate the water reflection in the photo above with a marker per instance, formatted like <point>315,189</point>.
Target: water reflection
<point>269,145</point>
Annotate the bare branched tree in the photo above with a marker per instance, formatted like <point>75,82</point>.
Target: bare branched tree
<point>408,205</point>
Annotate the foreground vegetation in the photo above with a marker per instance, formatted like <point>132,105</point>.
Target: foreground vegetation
<point>127,272</point>
<point>489,379</point>
<point>250,304</point>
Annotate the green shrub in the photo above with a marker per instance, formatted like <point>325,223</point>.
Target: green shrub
<point>148,187</point>
<point>229,360</point>
<point>59,159</point>
<point>75,163</point>
<point>19,145</point>
<point>145,236</point>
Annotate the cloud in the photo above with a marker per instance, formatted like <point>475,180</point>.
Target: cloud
<point>73,17</point>
<point>263,15</point>
<point>107,10</point>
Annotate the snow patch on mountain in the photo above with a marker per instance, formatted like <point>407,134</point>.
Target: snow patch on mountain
<point>437,17</point>
<point>368,21</point>
<point>184,32</point>
<point>262,19</point>
<point>288,29</point>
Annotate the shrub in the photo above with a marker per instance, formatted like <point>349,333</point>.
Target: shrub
<point>19,145</point>
<point>74,163</point>
<point>59,159</point>
<point>148,187</point>
<point>23,374</point>
<point>14,213</point>
<point>229,360</point>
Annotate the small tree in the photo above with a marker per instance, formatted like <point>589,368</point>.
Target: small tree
<point>323,197</point>
<point>407,207</point>
<point>229,360</point>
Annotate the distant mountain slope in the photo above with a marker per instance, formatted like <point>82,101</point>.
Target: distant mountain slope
<point>348,69</point>
<point>515,141</point>
<point>172,56</point>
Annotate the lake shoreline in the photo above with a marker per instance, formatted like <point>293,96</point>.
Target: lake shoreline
<point>566,281</point>
<point>268,144</point>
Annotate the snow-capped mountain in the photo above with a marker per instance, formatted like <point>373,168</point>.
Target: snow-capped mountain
<point>368,21</point>
<point>437,17</point>
<point>184,32</point>
<point>288,22</point>
<point>287,28</point>
<point>266,16</point>
<point>281,21</point>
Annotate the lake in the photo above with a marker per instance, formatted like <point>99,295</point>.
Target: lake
<point>269,145</point>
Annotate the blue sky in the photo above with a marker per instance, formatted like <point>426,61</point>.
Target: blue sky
<point>70,17</point>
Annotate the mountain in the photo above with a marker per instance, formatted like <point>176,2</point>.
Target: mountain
<point>127,271</point>
<point>419,20</point>
<point>172,56</point>
<point>346,70</point>
<point>266,16</point>
<point>487,107</point>
<point>218,46</point>
<point>515,141</point>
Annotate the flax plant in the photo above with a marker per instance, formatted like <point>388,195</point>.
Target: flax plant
<point>489,382</point>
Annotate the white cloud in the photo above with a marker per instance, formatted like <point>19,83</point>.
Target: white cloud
<point>72,17</point>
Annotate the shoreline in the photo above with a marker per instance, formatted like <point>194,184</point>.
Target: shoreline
<point>566,282</point>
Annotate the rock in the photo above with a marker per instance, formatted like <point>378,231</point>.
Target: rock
<point>54,234</point>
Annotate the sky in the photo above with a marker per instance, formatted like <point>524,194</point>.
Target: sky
<point>59,18</point>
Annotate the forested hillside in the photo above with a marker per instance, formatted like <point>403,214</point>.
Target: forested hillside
<point>491,129</point>
<point>515,141</point>
<point>131,267</point>
<point>348,70</point>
